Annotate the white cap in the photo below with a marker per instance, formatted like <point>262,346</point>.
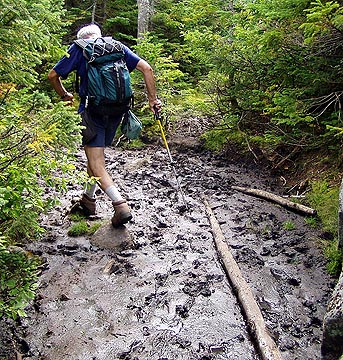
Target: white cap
<point>89,31</point>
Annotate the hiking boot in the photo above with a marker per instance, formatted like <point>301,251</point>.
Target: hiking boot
<point>88,205</point>
<point>122,213</point>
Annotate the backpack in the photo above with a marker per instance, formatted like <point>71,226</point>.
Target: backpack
<point>108,76</point>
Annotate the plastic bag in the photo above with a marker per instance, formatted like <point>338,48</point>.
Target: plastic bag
<point>131,126</point>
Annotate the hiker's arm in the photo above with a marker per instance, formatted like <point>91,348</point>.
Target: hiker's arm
<point>56,83</point>
<point>149,80</point>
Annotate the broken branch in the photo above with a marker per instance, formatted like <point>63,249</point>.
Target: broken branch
<point>266,344</point>
<point>277,199</point>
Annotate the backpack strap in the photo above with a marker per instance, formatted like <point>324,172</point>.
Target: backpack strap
<point>77,83</point>
<point>99,47</point>
<point>104,46</point>
<point>82,43</point>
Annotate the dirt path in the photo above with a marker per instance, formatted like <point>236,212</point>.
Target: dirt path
<point>167,296</point>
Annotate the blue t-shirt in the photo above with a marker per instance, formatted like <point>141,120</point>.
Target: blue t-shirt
<point>75,61</point>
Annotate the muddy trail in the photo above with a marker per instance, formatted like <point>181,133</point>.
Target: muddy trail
<point>164,294</point>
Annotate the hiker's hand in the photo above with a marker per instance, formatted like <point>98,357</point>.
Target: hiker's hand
<point>155,105</point>
<point>68,98</point>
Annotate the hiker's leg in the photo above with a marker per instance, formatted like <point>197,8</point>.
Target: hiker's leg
<point>88,199</point>
<point>96,168</point>
<point>106,127</point>
<point>90,188</point>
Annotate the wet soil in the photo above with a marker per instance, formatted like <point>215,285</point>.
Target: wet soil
<point>163,294</point>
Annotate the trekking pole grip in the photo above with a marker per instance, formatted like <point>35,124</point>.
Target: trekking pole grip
<point>157,113</point>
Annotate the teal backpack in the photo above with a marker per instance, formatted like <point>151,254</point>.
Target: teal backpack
<point>109,83</point>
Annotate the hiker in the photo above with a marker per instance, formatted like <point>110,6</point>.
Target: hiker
<point>103,126</point>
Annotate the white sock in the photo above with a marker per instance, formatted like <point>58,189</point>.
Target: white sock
<point>90,190</point>
<point>113,193</point>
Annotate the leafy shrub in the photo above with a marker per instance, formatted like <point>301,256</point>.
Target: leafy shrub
<point>215,140</point>
<point>169,78</point>
<point>34,135</point>
<point>18,275</point>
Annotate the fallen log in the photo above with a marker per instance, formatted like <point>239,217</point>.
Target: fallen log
<point>257,327</point>
<point>277,199</point>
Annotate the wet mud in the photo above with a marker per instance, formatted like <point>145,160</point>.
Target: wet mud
<point>163,294</point>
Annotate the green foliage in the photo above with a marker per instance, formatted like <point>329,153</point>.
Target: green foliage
<point>168,76</point>
<point>18,275</point>
<point>325,200</point>
<point>79,228</point>
<point>254,66</point>
<point>93,228</point>
<point>26,34</point>
<point>34,135</point>
<point>335,259</point>
<point>288,225</point>
<point>312,221</point>
<point>176,20</point>
<point>215,139</point>
<point>169,80</point>
<point>37,140</point>
<point>117,18</point>
<point>121,20</point>
<point>82,227</point>
<point>324,17</point>
<point>228,131</point>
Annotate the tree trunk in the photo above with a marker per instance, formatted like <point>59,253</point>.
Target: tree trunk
<point>99,11</point>
<point>144,14</point>
<point>93,11</point>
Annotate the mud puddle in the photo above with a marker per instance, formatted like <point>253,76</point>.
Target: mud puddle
<point>166,295</point>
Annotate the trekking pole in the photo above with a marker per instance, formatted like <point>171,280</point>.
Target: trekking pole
<point>158,119</point>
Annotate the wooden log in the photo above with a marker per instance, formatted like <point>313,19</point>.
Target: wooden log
<point>277,199</point>
<point>257,327</point>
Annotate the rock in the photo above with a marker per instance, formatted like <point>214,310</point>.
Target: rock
<point>333,323</point>
<point>332,343</point>
<point>340,218</point>
<point>108,237</point>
